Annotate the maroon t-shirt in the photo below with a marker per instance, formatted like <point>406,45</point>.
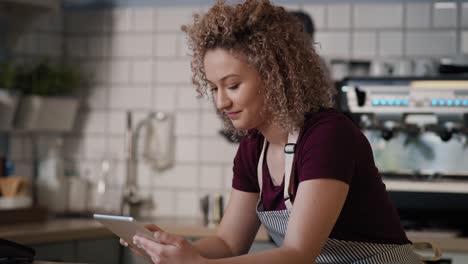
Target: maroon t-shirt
<point>330,145</point>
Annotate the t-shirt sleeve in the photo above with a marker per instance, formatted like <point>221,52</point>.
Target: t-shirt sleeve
<point>329,151</point>
<point>245,166</point>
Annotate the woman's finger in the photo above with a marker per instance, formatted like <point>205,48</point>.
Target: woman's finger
<point>168,239</point>
<point>151,247</point>
<point>153,227</point>
<point>123,243</point>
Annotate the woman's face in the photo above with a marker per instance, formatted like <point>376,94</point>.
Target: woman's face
<point>236,88</point>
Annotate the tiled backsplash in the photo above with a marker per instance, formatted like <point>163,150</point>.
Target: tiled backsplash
<point>135,59</point>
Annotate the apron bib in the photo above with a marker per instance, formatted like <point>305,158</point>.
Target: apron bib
<point>334,250</point>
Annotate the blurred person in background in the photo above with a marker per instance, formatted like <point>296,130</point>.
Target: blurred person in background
<point>302,169</point>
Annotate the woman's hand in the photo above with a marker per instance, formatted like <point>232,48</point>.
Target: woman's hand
<point>168,248</point>
<point>150,227</point>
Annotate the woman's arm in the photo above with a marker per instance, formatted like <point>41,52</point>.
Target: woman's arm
<point>316,208</point>
<point>237,229</point>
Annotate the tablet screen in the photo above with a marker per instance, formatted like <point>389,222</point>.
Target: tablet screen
<point>125,227</point>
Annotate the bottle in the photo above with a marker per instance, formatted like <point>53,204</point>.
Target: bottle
<point>99,193</point>
<point>52,187</point>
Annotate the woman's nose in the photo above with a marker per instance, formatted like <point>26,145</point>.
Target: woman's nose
<point>222,100</point>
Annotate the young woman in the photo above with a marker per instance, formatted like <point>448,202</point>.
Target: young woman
<point>303,170</point>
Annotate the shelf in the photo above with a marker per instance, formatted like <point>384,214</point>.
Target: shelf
<point>30,5</point>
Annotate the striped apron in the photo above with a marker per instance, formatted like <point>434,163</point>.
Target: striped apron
<point>334,250</point>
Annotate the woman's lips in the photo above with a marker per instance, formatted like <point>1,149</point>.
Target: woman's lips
<point>233,115</point>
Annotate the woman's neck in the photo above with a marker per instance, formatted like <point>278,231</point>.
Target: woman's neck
<point>274,134</point>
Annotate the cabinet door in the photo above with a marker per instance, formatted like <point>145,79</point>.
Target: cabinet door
<point>102,251</point>
<point>129,258</point>
<point>59,252</point>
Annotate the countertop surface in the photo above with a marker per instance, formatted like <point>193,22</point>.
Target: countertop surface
<point>76,229</point>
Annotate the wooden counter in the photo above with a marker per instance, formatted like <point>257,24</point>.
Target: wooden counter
<point>78,229</point>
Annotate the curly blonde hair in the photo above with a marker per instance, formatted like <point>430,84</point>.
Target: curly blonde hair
<point>274,42</point>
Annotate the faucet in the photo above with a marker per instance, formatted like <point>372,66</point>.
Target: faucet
<point>131,198</point>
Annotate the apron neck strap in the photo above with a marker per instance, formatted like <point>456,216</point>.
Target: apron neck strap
<point>289,151</point>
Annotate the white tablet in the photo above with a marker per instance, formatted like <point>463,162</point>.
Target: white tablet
<point>125,227</point>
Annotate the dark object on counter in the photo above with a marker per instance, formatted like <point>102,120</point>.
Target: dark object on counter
<point>461,69</point>
<point>14,253</point>
<point>3,161</point>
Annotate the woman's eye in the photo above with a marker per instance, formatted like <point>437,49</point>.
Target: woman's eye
<point>233,87</point>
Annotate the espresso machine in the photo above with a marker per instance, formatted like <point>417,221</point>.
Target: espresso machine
<point>418,129</point>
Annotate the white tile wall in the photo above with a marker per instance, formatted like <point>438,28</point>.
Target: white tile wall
<point>73,148</point>
<point>464,42</point>
<point>186,98</point>
<point>181,176</point>
<point>121,19</point>
<point>187,124</point>
<point>188,204</point>
<point>95,147</point>
<point>132,45</point>
<point>211,177</point>
<point>142,71</point>
<point>164,202</point>
<point>136,58</point>
<point>338,16</point>
<point>92,122</point>
<point>364,45</point>
<point>210,123</point>
<point>166,45</point>
<point>95,71</point>
<point>318,14</point>
<point>24,43</point>
<point>50,45</point>
<point>16,148</point>
<point>144,20</point>
<point>119,71</point>
<point>418,15</point>
<point>445,14</point>
<point>76,46</point>
<point>98,46</point>
<point>173,71</point>
<point>170,19</point>
<point>135,98</point>
<point>390,44</point>
<point>431,43</point>
<point>89,21</point>
<point>228,175</point>
<point>464,13</point>
<point>217,150</point>
<point>378,15</point>
<point>187,149</point>
<point>116,147</point>
<point>165,98</point>
<point>23,169</point>
<point>183,48</point>
<point>333,44</point>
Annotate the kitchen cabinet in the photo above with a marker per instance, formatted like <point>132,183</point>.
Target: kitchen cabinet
<point>62,252</point>
<point>102,251</point>
<point>107,251</point>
